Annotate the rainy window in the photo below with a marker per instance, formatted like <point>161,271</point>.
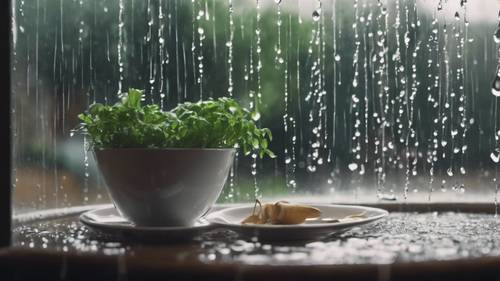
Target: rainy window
<point>366,100</point>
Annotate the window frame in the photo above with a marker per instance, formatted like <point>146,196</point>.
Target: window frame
<point>5,127</point>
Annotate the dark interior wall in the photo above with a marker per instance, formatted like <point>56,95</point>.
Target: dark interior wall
<point>5,141</point>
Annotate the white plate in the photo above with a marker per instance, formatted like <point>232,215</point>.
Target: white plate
<point>107,220</point>
<point>231,218</point>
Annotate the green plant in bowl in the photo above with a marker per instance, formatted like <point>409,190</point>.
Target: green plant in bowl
<point>169,167</point>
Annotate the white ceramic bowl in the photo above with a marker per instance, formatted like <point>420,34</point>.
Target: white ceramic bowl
<point>164,187</point>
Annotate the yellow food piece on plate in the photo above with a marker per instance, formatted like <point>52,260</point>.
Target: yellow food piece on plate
<point>281,212</point>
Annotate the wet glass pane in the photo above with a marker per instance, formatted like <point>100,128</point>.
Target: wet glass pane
<point>367,100</point>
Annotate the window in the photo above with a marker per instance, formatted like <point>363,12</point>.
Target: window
<point>367,100</point>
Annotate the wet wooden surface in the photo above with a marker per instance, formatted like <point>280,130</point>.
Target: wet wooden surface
<point>86,255</point>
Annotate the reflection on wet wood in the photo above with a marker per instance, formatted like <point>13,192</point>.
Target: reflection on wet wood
<point>405,246</point>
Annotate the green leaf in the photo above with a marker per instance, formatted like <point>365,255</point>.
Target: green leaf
<point>134,98</point>
<point>270,154</point>
<point>220,123</point>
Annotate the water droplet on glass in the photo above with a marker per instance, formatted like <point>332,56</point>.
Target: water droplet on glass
<point>316,15</point>
<point>390,145</point>
<point>387,197</point>
<point>311,168</point>
<point>449,172</point>
<point>277,1</point>
<point>495,156</point>
<point>496,36</point>
<point>495,86</point>
<point>462,170</point>
<point>255,116</point>
<point>353,166</point>
<point>362,169</point>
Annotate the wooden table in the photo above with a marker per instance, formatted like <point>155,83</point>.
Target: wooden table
<point>139,261</point>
